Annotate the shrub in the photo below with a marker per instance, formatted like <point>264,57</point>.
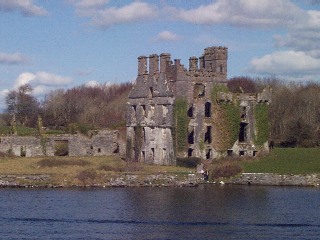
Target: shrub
<point>189,162</point>
<point>87,174</point>
<point>8,154</point>
<point>54,162</point>
<point>127,167</point>
<point>224,170</point>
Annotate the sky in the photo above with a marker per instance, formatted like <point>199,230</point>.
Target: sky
<point>54,44</point>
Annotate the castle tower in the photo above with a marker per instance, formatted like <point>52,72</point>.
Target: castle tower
<point>214,59</point>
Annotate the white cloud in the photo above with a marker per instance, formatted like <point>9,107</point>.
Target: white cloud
<point>12,58</point>
<point>102,15</point>
<point>304,36</point>
<point>86,4</point>
<point>26,7</point>
<point>167,36</point>
<point>290,64</point>
<point>42,82</point>
<point>248,13</point>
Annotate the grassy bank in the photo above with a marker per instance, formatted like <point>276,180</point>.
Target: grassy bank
<point>68,171</point>
<point>286,161</point>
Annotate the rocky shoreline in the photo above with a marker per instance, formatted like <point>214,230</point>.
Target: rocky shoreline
<point>270,179</point>
<point>163,180</point>
<point>123,180</point>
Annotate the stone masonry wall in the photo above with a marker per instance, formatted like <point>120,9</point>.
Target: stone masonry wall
<point>101,143</point>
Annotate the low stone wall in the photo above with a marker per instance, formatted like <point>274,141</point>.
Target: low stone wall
<point>99,143</point>
<point>270,179</point>
<point>122,180</point>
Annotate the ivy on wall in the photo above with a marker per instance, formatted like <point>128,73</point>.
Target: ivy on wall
<point>138,140</point>
<point>232,121</point>
<point>181,124</point>
<point>226,120</point>
<point>262,123</point>
<point>43,143</point>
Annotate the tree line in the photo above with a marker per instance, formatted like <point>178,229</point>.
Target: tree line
<point>83,106</point>
<point>294,112</point>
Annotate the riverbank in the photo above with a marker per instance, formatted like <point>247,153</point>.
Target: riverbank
<point>271,179</point>
<point>122,180</point>
<point>161,180</point>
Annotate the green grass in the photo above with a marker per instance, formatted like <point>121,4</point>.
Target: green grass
<point>68,171</point>
<point>287,161</point>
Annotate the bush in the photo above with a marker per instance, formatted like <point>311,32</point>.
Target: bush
<point>54,162</point>
<point>87,174</point>
<point>8,154</point>
<point>224,170</point>
<point>127,167</point>
<point>189,162</point>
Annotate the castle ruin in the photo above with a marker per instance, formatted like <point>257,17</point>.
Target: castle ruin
<point>152,117</point>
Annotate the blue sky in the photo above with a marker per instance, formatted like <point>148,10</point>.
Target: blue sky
<point>54,44</point>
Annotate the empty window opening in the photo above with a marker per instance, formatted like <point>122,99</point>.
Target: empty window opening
<point>143,156</point>
<point>152,154</point>
<point>116,150</point>
<point>23,151</point>
<point>208,153</point>
<point>190,150</point>
<point>241,153</point>
<point>61,148</point>
<point>243,132</point>
<point>207,136</point>
<point>134,108</point>
<point>191,136</point>
<point>199,90</point>
<point>230,152</point>
<point>151,92</point>
<point>164,153</point>
<point>190,111</point>
<point>221,69</point>
<point>99,150</point>
<point>244,113</point>
<point>207,109</point>
<point>254,153</point>
<point>91,147</point>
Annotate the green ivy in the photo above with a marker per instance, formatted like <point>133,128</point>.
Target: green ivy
<point>262,123</point>
<point>43,143</point>
<point>216,89</point>
<point>231,117</point>
<point>181,124</point>
<point>232,122</point>
<point>138,142</point>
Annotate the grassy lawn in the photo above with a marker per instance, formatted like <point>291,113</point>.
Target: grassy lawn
<point>287,161</point>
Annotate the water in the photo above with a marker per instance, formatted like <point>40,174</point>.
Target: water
<point>206,212</point>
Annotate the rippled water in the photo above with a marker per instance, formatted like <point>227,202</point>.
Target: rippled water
<point>206,212</point>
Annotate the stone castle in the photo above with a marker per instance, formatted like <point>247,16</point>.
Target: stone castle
<point>151,116</point>
<point>159,129</point>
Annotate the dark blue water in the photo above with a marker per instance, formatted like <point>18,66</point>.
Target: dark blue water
<point>206,212</point>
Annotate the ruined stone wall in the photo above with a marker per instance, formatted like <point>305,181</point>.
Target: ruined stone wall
<point>150,114</point>
<point>101,143</point>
